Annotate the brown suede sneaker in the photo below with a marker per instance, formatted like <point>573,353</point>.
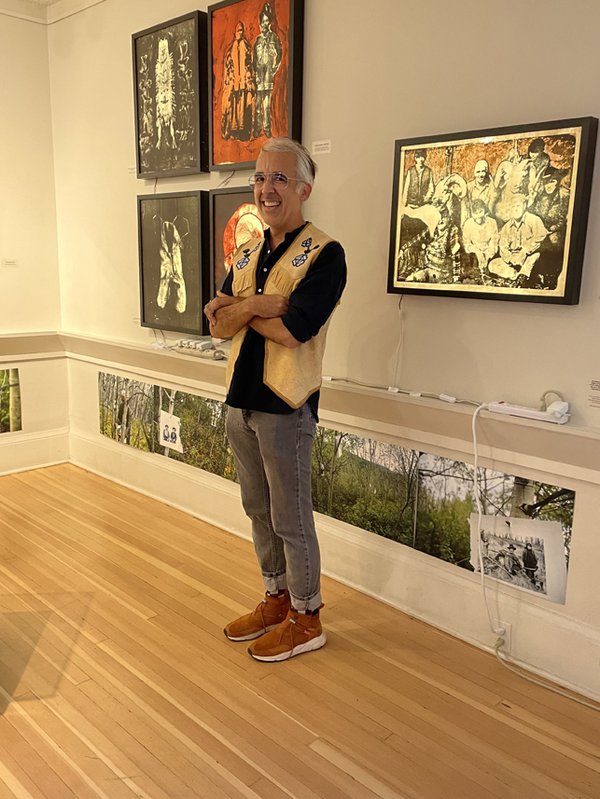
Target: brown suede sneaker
<point>298,633</point>
<point>266,616</point>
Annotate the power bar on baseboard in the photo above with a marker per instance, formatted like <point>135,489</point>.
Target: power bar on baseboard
<point>557,412</point>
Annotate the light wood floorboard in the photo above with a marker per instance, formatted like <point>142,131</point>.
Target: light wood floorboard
<point>116,680</point>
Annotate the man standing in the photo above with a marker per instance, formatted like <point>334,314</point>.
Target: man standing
<point>418,183</point>
<point>267,60</point>
<point>276,303</point>
<point>238,87</point>
<point>530,562</point>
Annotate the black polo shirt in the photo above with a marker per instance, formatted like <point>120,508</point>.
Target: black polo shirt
<point>310,305</point>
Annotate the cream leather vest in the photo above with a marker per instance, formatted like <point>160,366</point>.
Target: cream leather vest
<point>292,374</point>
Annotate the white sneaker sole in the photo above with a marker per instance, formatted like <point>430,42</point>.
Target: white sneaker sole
<point>252,636</point>
<point>309,646</point>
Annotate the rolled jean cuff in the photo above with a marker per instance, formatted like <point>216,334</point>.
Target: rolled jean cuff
<point>306,605</point>
<point>275,583</point>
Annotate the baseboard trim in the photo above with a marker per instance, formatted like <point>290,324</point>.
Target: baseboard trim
<point>20,452</point>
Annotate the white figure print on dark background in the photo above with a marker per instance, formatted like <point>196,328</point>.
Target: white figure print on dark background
<point>165,96</point>
<point>171,263</point>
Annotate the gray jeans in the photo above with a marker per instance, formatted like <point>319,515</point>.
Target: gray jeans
<point>273,458</point>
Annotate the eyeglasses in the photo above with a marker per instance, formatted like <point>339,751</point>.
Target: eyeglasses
<point>278,179</point>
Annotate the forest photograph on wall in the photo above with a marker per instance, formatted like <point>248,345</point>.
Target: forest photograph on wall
<point>255,53</point>
<point>417,499</point>
<point>234,220</point>
<point>135,413</point>
<point>171,117</point>
<point>494,214</point>
<point>10,401</point>
<point>425,501</point>
<point>174,261</point>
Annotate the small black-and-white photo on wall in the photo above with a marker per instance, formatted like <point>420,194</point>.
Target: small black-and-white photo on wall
<point>528,554</point>
<point>170,431</point>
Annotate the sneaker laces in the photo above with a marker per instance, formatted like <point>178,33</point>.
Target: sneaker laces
<point>260,608</point>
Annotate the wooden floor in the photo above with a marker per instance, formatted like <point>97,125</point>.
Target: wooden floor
<point>116,680</point>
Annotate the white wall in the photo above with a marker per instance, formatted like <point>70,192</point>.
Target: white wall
<point>394,70</point>
<point>96,186</point>
<point>29,295</point>
<point>372,75</point>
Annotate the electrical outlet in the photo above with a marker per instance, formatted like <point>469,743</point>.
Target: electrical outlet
<point>506,635</point>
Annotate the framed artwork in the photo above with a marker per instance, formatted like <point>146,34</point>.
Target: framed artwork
<point>255,55</point>
<point>174,261</point>
<point>234,219</point>
<point>496,214</point>
<point>170,97</point>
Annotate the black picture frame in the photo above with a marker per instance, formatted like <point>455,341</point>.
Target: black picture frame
<point>234,219</point>
<point>170,62</point>
<point>249,105</point>
<point>173,239</point>
<point>440,245</point>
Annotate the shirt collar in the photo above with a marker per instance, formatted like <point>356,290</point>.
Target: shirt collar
<point>288,238</point>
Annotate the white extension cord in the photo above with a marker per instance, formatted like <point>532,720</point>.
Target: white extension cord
<point>498,631</point>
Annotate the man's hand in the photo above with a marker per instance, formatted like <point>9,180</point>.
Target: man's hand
<point>227,315</point>
<point>220,301</point>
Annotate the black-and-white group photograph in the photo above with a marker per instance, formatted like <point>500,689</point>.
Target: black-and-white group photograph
<point>497,213</point>
<point>525,553</point>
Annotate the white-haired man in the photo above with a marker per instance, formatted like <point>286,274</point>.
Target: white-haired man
<point>276,304</point>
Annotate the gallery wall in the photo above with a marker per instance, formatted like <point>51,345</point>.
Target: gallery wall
<point>402,70</point>
<point>29,293</point>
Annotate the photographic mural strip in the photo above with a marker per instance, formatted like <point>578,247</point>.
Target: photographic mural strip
<point>130,412</point>
<point>417,499</point>
<point>10,401</point>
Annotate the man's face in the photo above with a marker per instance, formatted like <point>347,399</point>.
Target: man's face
<point>479,216</point>
<point>480,173</point>
<point>239,31</point>
<point>281,208</point>
<point>264,23</point>
<point>518,208</point>
<point>550,186</point>
<point>419,160</point>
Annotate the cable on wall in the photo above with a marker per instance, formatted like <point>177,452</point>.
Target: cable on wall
<point>501,656</point>
<point>398,353</point>
<point>226,180</point>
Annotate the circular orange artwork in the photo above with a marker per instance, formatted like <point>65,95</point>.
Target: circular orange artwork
<point>243,224</point>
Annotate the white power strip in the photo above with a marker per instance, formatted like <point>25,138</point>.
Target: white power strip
<point>194,344</point>
<point>557,412</point>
